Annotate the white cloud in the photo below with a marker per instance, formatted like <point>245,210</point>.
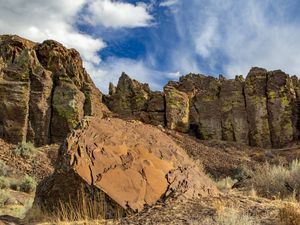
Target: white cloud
<point>168,3</point>
<point>40,20</point>
<point>118,14</point>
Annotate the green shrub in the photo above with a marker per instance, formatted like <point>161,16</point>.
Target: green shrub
<point>14,184</point>
<point>3,168</point>
<point>4,183</point>
<point>25,149</point>
<point>3,198</point>
<point>28,184</point>
<point>226,184</point>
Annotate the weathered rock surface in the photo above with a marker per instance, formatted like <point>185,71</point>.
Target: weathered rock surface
<point>257,111</point>
<point>133,164</point>
<point>44,91</point>
<point>233,109</point>
<point>262,110</point>
<point>135,100</point>
<point>177,109</point>
<point>281,96</point>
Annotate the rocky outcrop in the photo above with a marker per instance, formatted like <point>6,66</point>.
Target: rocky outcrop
<point>233,111</point>
<point>177,109</point>
<point>133,164</point>
<point>135,100</point>
<point>261,110</point>
<point>44,91</point>
<point>257,111</point>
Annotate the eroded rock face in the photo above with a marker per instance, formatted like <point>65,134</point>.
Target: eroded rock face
<point>133,164</point>
<point>44,91</point>
<point>233,109</point>
<point>129,96</point>
<point>281,96</point>
<point>177,109</point>
<point>262,110</point>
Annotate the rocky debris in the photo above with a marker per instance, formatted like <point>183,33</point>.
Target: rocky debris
<point>261,110</point>
<point>44,91</point>
<point>134,164</point>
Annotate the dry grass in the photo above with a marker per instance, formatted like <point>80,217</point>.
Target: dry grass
<point>3,168</point>
<point>289,214</point>
<point>83,208</point>
<point>230,216</point>
<point>225,184</point>
<point>277,181</point>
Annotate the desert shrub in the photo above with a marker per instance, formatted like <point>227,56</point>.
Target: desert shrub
<point>25,149</point>
<point>4,196</point>
<point>4,183</point>
<point>289,215</point>
<point>277,181</point>
<point>14,184</point>
<point>226,184</point>
<point>28,184</point>
<point>231,217</point>
<point>3,168</point>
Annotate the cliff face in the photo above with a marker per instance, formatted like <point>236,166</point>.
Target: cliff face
<point>261,110</point>
<point>44,91</point>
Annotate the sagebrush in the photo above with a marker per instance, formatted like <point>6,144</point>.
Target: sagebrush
<point>277,181</point>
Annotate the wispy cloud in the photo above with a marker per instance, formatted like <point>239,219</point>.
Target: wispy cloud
<point>233,36</point>
<point>168,3</point>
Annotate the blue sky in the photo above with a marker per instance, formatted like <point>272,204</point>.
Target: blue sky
<point>158,40</point>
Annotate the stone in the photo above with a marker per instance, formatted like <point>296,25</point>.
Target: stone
<point>129,97</point>
<point>44,91</point>
<point>134,164</point>
<point>205,112</point>
<point>281,95</point>
<point>233,108</point>
<point>256,102</point>
<point>177,109</point>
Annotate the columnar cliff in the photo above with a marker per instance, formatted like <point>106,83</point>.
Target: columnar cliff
<point>261,110</point>
<point>44,91</point>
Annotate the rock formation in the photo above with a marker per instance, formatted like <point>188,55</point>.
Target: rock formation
<point>44,91</point>
<point>261,110</point>
<point>133,164</point>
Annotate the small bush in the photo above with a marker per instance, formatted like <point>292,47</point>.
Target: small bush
<point>289,215</point>
<point>3,168</point>
<point>231,217</point>
<point>226,184</point>
<point>28,184</point>
<point>3,198</point>
<point>14,184</point>
<point>277,181</point>
<point>4,183</point>
<point>25,149</point>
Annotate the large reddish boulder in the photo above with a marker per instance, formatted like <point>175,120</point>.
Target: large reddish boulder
<point>133,164</point>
